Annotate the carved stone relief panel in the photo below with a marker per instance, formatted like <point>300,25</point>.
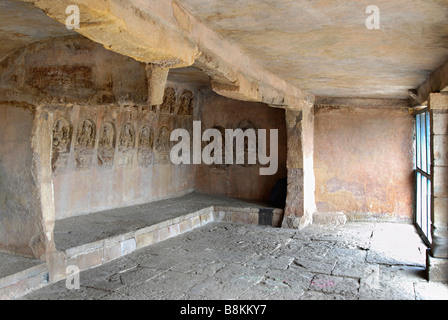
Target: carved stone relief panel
<point>126,145</point>
<point>169,101</point>
<point>162,145</point>
<point>61,142</point>
<point>85,144</point>
<point>106,145</point>
<point>145,146</point>
<point>186,103</point>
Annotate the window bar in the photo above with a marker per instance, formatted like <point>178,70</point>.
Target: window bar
<point>418,158</point>
<point>428,143</point>
<point>428,215</point>
<point>423,141</point>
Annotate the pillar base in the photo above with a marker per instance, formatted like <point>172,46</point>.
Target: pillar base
<point>436,268</point>
<point>329,219</point>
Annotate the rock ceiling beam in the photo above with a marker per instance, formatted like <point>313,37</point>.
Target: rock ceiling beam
<point>362,102</point>
<point>437,82</point>
<point>163,33</point>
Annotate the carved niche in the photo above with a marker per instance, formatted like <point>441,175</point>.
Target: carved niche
<point>162,146</point>
<point>126,145</point>
<point>85,143</point>
<point>106,145</point>
<point>61,141</point>
<point>169,101</point>
<point>145,146</point>
<point>186,102</point>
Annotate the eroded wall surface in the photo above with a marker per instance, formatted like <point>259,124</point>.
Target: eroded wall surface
<point>20,215</point>
<point>243,181</point>
<point>363,160</point>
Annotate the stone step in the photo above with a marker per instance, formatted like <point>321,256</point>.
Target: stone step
<point>20,276</point>
<point>330,219</point>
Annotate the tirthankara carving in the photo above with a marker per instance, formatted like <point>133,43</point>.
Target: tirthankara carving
<point>162,146</point>
<point>126,145</point>
<point>106,145</point>
<point>169,101</point>
<point>186,103</point>
<point>85,143</point>
<point>62,133</point>
<point>146,141</point>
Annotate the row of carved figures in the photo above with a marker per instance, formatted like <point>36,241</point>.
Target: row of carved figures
<point>127,140</point>
<point>85,137</point>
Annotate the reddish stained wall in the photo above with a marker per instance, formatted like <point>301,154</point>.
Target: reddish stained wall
<point>363,161</point>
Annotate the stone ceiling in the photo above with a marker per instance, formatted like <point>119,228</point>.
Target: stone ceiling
<point>324,46</point>
<point>22,23</point>
<point>320,46</point>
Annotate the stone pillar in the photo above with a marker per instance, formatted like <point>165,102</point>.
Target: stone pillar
<point>26,197</point>
<point>157,77</point>
<point>300,201</point>
<point>437,264</point>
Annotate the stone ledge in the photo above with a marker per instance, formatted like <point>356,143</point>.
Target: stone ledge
<point>21,283</point>
<point>329,218</point>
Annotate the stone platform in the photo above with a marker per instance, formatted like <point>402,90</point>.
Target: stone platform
<point>20,275</point>
<point>92,240</point>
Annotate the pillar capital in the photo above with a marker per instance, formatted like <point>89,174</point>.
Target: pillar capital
<point>438,101</point>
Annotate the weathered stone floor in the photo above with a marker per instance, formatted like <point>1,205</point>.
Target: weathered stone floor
<point>224,260</point>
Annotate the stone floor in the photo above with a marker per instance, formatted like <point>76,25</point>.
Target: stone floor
<point>224,260</point>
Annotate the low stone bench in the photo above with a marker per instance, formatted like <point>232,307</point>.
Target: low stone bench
<point>95,239</point>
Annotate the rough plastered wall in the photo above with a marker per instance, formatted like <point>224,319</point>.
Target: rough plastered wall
<point>20,215</point>
<point>109,147</point>
<point>243,181</point>
<point>363,162</point>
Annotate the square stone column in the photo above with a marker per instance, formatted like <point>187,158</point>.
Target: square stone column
<point>438,255</point>
<point>157,78</point>
<point>300,201</point>
<point>26,196</point>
